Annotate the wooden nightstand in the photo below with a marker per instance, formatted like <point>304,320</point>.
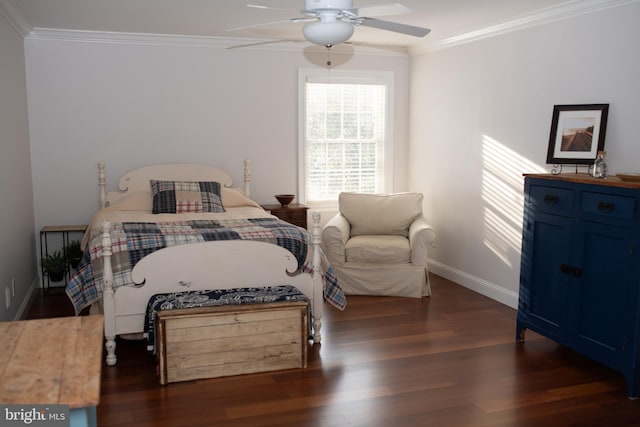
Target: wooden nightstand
<point>295,213</point>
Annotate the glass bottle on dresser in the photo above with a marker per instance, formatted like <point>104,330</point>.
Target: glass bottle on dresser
<point>600,165</point>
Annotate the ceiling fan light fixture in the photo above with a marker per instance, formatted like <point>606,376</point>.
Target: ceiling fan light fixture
<point>328,33</point>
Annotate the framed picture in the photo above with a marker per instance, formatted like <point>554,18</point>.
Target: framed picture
<point>577,133</point>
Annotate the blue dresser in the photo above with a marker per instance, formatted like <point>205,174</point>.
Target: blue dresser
<point>580,268</point>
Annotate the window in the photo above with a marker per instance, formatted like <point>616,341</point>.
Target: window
<point>343,134</point>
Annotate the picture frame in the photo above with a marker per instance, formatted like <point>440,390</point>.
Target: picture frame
<point>577,133</point>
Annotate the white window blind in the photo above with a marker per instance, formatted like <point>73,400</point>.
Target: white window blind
<point>344,137</point>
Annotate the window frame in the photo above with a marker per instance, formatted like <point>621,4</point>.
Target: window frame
<point>344,77</point>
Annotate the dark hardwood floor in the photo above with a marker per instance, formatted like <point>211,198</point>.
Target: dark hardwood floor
<point>447,360</point>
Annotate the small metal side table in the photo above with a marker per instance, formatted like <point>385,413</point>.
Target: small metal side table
<point>65,231</point>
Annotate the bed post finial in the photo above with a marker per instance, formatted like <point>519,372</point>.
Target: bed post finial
<point>101,184</point>
<point>247,178</point>
<point>318,288</point>
<point>108,295</point>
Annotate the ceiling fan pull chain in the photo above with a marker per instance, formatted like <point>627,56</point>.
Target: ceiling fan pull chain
<point>328,56</point>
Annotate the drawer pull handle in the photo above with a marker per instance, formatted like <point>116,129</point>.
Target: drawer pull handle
<point>567,269</point>
<point>550,199</point>
<point>605,207</point>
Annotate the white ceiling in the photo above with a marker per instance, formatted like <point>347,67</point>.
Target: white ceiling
<point>446,18</point>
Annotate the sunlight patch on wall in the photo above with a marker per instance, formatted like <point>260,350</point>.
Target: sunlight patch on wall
<point>502,193</point>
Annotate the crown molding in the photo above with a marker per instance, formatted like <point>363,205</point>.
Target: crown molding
<point>14,16</point>
<point>569,9</point>
<point>84,36</point>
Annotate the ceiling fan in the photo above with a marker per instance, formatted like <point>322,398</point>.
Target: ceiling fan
<point>331,22</point>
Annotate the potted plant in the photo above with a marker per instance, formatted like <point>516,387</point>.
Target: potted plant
<point>54,266</point>
<point>73,253</point>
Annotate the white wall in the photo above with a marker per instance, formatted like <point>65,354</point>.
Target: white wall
<point>132,104</point>
<point>481,117</point>
<point>17,250</point>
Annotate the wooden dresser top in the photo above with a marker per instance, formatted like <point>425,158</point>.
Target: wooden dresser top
<point>612,181</point>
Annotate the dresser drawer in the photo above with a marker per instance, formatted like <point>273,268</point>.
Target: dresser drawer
<point>608,205</point>
<point>297,215</point>
<point>552,199</point>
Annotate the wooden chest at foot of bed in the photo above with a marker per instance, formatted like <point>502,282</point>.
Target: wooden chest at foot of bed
<point>210,342</point>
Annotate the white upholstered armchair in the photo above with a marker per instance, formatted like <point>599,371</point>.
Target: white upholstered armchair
<point>377,244</point>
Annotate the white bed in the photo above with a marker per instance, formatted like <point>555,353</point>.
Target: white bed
<point>123,292</point>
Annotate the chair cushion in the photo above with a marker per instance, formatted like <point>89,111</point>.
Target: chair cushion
<point>378,249</point>
<point>371,214</point>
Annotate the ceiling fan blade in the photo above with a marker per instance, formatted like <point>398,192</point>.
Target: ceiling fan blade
<point>265,42</point>
<point>394,26</point>
<point>259,6</point>
<point>295,20</point>
<point>382,10</point>
<point>303,20</point>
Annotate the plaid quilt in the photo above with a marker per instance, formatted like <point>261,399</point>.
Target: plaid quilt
<point>132,241</point>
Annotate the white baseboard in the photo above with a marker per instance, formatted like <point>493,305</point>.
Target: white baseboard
<point>24,306</point>
<point>476,284</point>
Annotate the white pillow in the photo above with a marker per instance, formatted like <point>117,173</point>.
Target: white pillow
<point>132,201</point>
<point>233,198</point>
<point>380,213</point>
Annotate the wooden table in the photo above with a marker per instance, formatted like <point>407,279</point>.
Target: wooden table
<point>53,361</point>
<point>294,213</point>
